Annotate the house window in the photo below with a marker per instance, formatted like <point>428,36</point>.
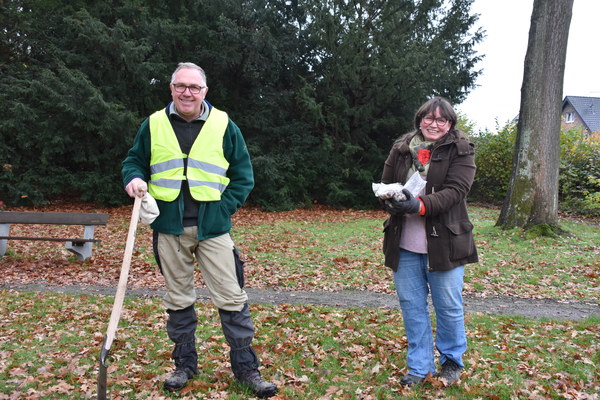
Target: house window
<point>569,117</point>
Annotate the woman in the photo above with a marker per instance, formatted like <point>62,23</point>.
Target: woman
<point>428,239</point>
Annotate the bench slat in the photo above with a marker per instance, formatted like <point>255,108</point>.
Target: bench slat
<point>75,240</point>
<point>53,218</point>
<point>82,247</point>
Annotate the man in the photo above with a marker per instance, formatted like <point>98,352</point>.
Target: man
<point>198,169</point>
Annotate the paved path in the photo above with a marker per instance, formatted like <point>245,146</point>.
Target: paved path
<point>532,308</point>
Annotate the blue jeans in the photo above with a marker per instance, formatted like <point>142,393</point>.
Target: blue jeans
<point>413,284</point>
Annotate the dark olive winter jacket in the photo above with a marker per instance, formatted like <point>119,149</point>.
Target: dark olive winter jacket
<point>449,231</point>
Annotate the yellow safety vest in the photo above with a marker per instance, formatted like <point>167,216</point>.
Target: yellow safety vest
<point>206,164</point>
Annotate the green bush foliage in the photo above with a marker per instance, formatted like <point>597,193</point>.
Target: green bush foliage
<point>493,157</point>
<point>579,178</point>
<point>579,175</point>
<point>43,157</point>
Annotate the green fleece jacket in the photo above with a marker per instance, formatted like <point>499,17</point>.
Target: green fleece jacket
<point>214,217</point>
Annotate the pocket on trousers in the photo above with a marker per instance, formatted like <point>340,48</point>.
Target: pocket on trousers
<point>239,267</point>
<point>391,243</point>
<point>388,235</point>
<point>155,250</point>
<point>461,240</point>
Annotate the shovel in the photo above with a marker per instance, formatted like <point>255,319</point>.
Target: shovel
<point>119,296</point>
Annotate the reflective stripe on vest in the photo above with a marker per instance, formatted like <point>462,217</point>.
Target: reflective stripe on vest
<point>207,166</point>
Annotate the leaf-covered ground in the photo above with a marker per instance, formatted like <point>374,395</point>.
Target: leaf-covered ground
<point>321,249</point>
<point>49,344</point>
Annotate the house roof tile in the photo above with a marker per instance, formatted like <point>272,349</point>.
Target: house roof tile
<point>588,109</point>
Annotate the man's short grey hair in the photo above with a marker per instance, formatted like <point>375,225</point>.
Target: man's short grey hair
<point>188,65</point>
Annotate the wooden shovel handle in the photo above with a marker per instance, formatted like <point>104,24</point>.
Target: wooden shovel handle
<point>120,295</point>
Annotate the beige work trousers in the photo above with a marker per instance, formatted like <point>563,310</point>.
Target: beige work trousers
<point>178,257</point>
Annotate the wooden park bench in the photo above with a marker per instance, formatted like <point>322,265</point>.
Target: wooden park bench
<point>81,246</point>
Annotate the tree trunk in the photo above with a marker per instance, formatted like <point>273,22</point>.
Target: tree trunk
<point>532,197</point>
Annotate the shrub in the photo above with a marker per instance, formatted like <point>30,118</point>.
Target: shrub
<point>493,157</point>
<point>579,177</point>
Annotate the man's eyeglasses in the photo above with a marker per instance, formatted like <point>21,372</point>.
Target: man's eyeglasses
<point>180,88</point>
<point>439,121</point>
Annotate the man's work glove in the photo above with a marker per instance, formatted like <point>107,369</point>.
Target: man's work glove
<point>149,210</point>
<point>408,206</point>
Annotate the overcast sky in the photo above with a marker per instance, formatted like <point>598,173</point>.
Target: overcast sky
<point>507,24</point>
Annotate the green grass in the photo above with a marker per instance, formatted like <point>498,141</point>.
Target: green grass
<point>513,265</point>
<point>342,255</point>
<point>50,344</point>
<point>345,253</point>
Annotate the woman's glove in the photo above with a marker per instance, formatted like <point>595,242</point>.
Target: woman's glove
<point>409,206</point>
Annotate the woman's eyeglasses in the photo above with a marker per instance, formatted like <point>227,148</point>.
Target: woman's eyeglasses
<point>439,121</point>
